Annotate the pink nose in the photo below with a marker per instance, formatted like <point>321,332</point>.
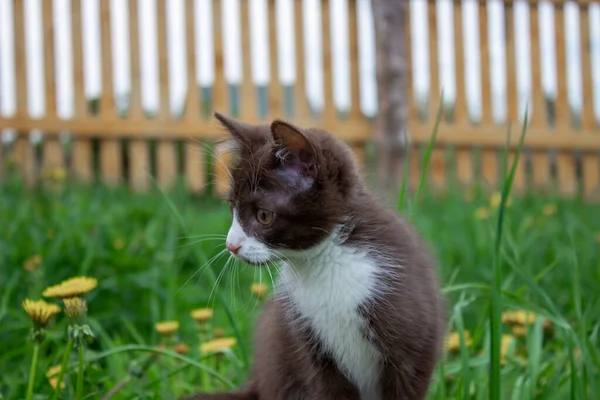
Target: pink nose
<point>233,248</point>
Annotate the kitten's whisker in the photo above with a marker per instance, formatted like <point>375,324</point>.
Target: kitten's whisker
<point>206,264</point>
<point>216,284</point>
<point>198,241</point>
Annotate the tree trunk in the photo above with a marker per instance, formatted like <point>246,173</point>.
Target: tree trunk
<point>392,116</point>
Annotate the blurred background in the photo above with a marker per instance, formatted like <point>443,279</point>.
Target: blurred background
<point>108,169</point>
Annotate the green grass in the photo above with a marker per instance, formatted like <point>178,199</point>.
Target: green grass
<point>549,264</point>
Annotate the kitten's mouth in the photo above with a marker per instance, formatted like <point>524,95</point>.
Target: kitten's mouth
<point>251,262</point>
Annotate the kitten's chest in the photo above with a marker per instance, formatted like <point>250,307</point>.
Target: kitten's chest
<point>327,292</point>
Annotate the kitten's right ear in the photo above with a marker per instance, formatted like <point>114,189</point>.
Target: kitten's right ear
<point>244,133</point>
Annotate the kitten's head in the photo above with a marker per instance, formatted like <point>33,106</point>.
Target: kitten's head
<point>290,188</point>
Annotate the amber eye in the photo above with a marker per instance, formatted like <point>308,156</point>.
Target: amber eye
<point>265,217</point>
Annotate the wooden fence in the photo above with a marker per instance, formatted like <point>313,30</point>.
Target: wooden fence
<point>128,146</point>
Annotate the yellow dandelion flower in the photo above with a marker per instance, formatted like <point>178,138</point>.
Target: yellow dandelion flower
<point>52,376</point>
<point>39,311</point>
<point>549,210</point>
<point>73,287</point>
<point>182,348</point>
<point>118,244</point>
<point>453,341</point>
<point>216,345</point>
<point>519,317</point>
<point>219,333</point>
<point>496,199</point>
<point>201,315</point>
<point>75,307</point>
<point>259,290</point>
<point>519,331</point>
<point>167,328</point>
<point>32,263</point>
<point>505,344</point>
<point>482,213</point>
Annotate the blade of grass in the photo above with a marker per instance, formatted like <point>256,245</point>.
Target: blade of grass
<point>464,351</point>
<point>496,298</point>
<point>404,174</point>
<point>534,349</point>
<point>434,133</point>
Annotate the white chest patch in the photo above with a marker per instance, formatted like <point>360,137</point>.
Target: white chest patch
<point>326,288</point>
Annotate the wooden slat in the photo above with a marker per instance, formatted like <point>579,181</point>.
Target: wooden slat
<point>300,103</point>
<point>163,54</point>
<point>486,90</point>
<point>489,156</point>
<point>78,82</point>
<point>562,109</point>
<point>82,149</point>
<point>139,160</point>
<point>567,178</point>
<point>588,120</point>
<point>192,106</point>
<point>355,111</point>
<point>53,156</point>
<point>139,166</point>
<point>512,95</point>
<point>20,59</point>
<point>519,182</point>
<point>329,108</point>
<point>195,170</point>
<point>434,76</point>
<point>53,153</point>
<point>464,167</point>
<point>110,161</point>
<point>591,174</point>
<point>135,109</point>
<point>24,154</point>
<point>461,112</point>
<point>566,174</point>
<point>276,101</point>
<point>512,106</point>
<point>166,163</point>
<point>248,98</point>
<point>110,148</point>
<point>194,155</point>
<point>166,160</point>
<point>219,90</point>
<point>49,77</point>
<point>107,105</point>
<point>540,160</point>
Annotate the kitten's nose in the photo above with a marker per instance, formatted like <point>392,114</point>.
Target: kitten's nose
<point>233,248</point>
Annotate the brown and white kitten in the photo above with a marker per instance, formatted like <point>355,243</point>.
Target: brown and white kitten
<point>357,312</point>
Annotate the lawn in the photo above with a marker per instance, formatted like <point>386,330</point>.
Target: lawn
<point>156,258</point>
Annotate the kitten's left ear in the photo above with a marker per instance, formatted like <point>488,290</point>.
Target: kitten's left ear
<point>293,149</point>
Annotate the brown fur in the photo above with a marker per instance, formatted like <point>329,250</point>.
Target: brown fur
<point>313,187</point>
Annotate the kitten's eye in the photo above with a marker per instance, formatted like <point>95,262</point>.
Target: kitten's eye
<point>265,217</point>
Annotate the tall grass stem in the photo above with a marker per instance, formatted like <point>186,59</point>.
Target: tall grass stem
<point>63,366</point>
<point>34,362</point>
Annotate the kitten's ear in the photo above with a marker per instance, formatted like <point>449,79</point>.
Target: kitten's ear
<point>242,132</point>
<point>294,150</point>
